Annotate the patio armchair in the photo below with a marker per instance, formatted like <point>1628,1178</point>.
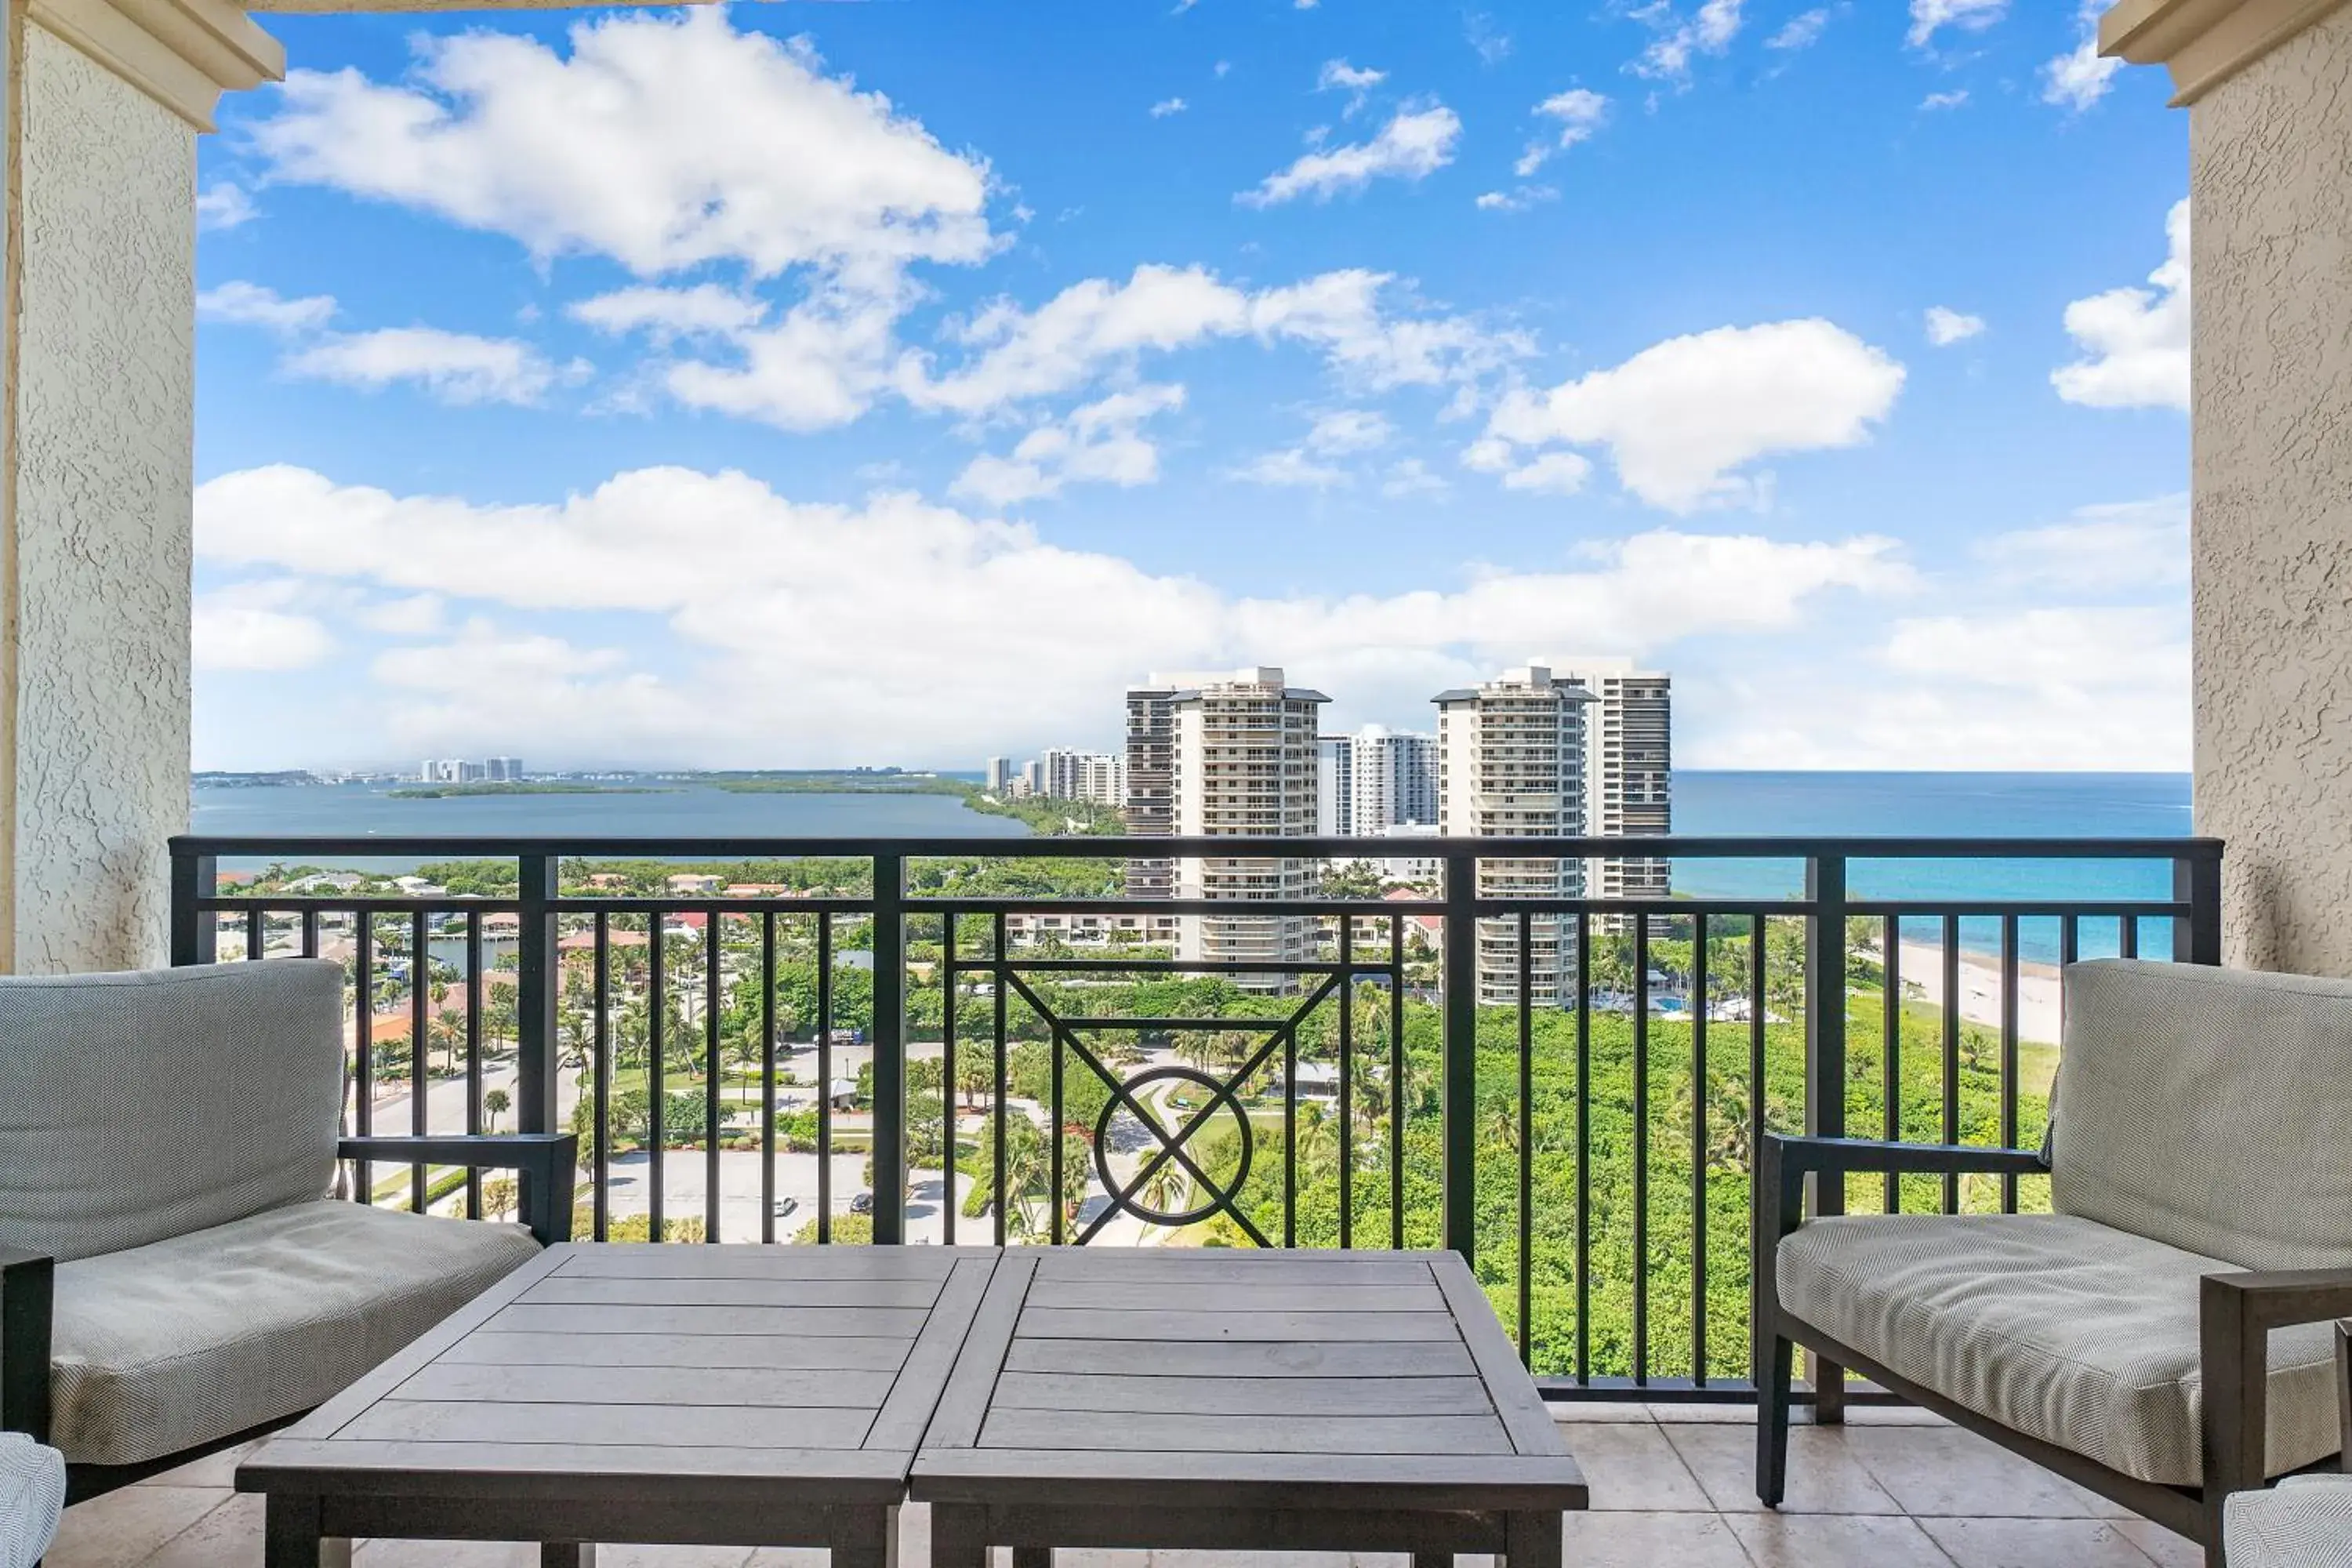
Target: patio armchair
<point>2305,1520</point>
<point>175,1274</point>
<point>2162,1336</point>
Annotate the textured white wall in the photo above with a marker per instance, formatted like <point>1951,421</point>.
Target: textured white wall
<point>106,438</point>
<point>2272,259</point>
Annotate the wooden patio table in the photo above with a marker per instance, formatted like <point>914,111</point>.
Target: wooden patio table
<point>671,1394</point>
<point>1181,1398</point>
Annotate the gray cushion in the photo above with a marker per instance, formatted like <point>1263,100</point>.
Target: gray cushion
<point>162,1347</point>
<point>2208,1107</point>
<point>32,1498</point>
<point>2052,1325</point>
<point>137,1107</point>
<point>2304,1521</point>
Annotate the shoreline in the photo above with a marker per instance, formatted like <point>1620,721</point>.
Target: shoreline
<point>1922,975</point>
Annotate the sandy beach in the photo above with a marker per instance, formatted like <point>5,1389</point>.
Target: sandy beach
<point>2037,989</point>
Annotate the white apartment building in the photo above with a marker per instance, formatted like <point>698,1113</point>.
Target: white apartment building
<point>1395,780</point>
<point>1246,763</point>
<point>998,776</point>
<point>1512,765</point>
<point>1151,784</point>
<point>1335,791</point>
<point>1629,771</point>
<point>1098,777</point>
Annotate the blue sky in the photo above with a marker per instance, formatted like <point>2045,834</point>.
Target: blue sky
<point>801,384</point>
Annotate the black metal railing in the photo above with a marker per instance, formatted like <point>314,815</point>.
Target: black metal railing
<point>1566,1090</point>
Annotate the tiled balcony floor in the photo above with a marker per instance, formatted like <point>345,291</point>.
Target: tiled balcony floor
<point>1671,1489</point>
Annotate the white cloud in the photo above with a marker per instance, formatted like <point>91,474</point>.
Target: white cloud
<point>1579,111</point>
<point>1412,146</point>
<point>410,615</point>
<point>1947,326</point>
<point>253,626</point>
<point>1095,325</point>
<point>1800,31</point>
<point>1553,473</point>
<point>1940,100</point>
<point>1290,467</point>
<point>821,366</point>
<point>224,204</point>
<point>2099,548</point>
<point>661,140</point>
<point>1682,417</point>
<point>1930,16</point>
<point>1410,476</point>
<point>1168,106</point>
<point>1099,443</point>
<point>900,628</point>
<point>455,367</point>
<point>2072,649</point>
<point>705,309</point>
<point>1707,31</point>
<point>2081,77</point>
<point>245,304</point>
<point>1357,82</point>
<point>1517,200</point>
<point>1345,430</point>
<point>2134,343</point>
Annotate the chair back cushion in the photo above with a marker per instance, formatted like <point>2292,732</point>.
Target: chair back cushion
<point>137,1107</point>
<point>2208,1109</point>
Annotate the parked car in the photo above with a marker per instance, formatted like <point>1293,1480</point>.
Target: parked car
<point>862,1204</point>
<point>785,1208</point>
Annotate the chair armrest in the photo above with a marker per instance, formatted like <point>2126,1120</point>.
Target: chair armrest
<point>26,1290</point>
<point>546,1163</point>
<point>1787,1161</point>
<point>2344,1392</point>
<point>2236,1313</point>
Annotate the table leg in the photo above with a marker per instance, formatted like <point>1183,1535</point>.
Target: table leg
<point>863,1537</point>
<point>567,1555</point>
<point>1432,1560</point>
<point>292,1536</point>
<point>959,1536</point>
<point>1532,1539</point>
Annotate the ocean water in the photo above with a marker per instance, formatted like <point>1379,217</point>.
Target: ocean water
<point>1846,805</point>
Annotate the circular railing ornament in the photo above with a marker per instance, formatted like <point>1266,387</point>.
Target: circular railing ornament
<point>1219,1199</point>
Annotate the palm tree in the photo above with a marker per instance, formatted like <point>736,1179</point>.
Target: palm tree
<point>496,1103</point>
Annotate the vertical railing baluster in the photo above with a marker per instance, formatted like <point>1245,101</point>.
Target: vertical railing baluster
<point>475,990</point>
<point>310,933</point>
<point>1825,1065</point>
<point>2196,936</point>
<point>1640,1149</point>
<point>420,1061</point>
<point>889,1049</point>
<point>998,970</point>
<point>714,1073</point>
<point>825,1078</point>
<point>948,1163</point>
<point>1396,1082</point>
<point>1055,1111</point>
<point>1584,1146</point>
<point>256,935</point>
<point>1347,1080</point>
<point>656,1070</point>
<point>195,878</point>
<point>1951,957</point>
<point>767,1076</point>
<point>600,1180</point>
<point>536,1079</point>
<point>1527,1085</point>
<point>1289,1139</point>
<point>363,1045</point>
<point>1756,1097</point>
<point>1697,1008</point>
<point>2009,1009</point>
<point>1459,1103</point>
<point>1890,1049</point>
<point>2128,936</point>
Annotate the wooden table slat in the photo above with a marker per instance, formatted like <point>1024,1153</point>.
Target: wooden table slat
<point>1517,1399</point>
<point>667,1260</point>
<point>769,1386</point>
<point>560,1470</point>
<point>912,1406</point>
<point>963,1403</point>
<point>889,1322</point>
<point>1207,1359</point>
<point>636,1425</point>
<point>1060,1323</point>
<point>1243,1438</point>
<point>831,1353</point>
<point>1243,1395</point>
<point>590,1290</point>
<point>1231,1296</point>
<point>1187,1266</point>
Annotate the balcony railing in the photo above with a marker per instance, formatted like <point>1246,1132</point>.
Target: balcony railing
<point>1564,1088</point>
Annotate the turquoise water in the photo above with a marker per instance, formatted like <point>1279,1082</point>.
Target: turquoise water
<point>2027,805</point>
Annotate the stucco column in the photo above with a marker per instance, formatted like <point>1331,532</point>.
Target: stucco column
<point>105,100</point>
<point>2268,87</point>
